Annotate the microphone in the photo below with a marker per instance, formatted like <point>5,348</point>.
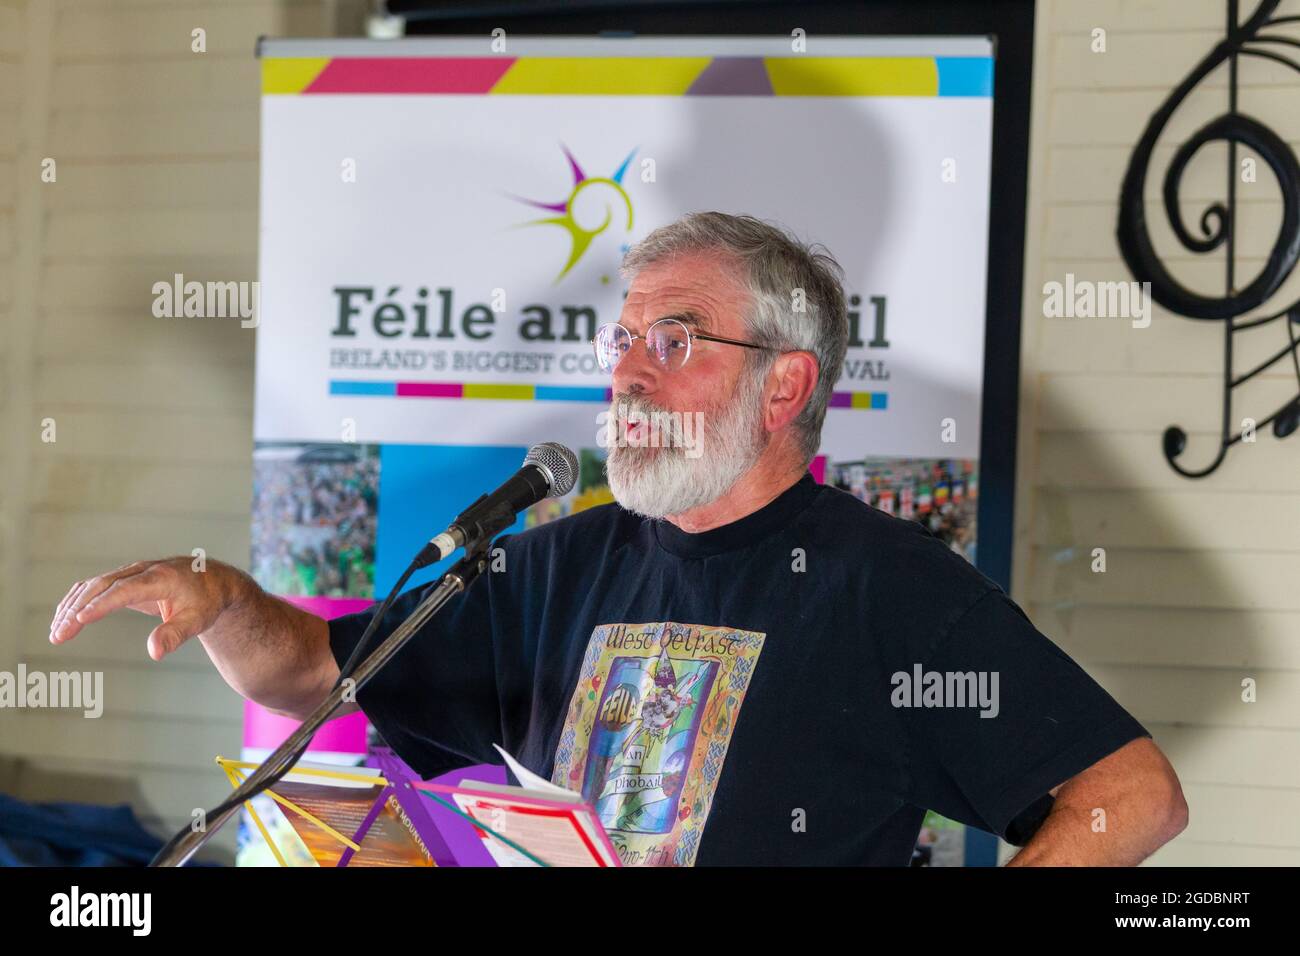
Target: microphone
<point>550,470</point>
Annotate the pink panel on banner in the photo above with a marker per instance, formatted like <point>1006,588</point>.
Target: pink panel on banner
<point>818,469</point>
<point>349,74</point>
<point>328,608</point>
<point>265,730</point>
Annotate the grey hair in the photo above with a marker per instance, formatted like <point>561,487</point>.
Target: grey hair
<point>776,267</point>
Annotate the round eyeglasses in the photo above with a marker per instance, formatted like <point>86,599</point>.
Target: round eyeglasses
<point>668,341</point>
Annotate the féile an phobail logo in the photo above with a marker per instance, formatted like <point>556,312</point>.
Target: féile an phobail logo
<point>566,211</point>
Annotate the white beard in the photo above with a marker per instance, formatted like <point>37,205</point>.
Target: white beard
<point>656,482</point>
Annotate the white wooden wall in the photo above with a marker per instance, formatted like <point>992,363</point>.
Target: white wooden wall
<point>157,153</point>
<point>1202,587</point>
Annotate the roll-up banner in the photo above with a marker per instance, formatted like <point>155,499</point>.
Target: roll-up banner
<point>442,224</point>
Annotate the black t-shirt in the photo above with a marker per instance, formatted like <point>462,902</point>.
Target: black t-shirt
<point>761,693</point>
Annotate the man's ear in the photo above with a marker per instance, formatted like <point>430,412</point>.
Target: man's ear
<point>792,381</point>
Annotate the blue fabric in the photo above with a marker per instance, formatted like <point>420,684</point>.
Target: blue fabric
<point>72,834</point>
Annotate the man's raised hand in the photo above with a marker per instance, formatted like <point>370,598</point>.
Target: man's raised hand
<point>188,601</point>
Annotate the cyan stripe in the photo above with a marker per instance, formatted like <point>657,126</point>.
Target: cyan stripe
<point>569,393</point>
<point>338,387</point>
<point>965,75</point>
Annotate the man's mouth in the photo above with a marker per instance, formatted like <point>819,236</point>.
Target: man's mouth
<point>644,427</point>
<point>636,429</point>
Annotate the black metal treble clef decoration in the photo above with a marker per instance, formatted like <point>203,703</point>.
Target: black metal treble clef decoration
<point>1217,225</point>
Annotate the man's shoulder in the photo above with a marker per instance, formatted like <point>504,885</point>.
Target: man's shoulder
<point>895,556</point>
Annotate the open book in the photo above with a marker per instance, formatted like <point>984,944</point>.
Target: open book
<point>534,824</point>
<point>383,816</point>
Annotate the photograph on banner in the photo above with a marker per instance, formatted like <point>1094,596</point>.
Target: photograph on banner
<point>942,494</point>
<point>315,518</point>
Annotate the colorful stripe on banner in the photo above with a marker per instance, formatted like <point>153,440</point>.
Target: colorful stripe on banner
<point>290,75</point>
<point>878,401</point>
<point>480,390</point>
<point>965,75</point>
<point>855,76</point>
<point>601,76</point>
<point>873,400</point>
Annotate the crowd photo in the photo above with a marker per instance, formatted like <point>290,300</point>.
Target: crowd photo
<point>314,519</point>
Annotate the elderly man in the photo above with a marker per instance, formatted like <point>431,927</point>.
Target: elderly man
<point>733,664</point>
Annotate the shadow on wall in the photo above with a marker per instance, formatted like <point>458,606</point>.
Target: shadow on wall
<point>1189,606</point>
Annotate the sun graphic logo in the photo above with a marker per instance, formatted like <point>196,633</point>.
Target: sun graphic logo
<point>618,207</point>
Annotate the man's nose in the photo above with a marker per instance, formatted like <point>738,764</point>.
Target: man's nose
<point>636,371</point>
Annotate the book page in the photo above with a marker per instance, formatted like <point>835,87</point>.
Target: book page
<point>531,781</point>
<point>553,834</point>
<point>390,841</point>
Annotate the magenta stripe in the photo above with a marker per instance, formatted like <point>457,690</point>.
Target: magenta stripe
<point>430,389</point>
<point>347,74</point>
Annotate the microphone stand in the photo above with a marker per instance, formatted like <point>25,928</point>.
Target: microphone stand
<point>457,579</point>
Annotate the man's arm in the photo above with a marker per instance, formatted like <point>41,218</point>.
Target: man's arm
<point>1115,813</point>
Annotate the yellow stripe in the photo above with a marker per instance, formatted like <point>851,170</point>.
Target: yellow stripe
<point>596,76</point>
<point>290,75</point>
<point>861,399</point>
<point>517,392</point>
<point>310,772</point>
<point>853,76</point>
<point>248,805</point>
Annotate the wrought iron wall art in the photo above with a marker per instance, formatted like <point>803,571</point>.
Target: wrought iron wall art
<point>1217,223</point>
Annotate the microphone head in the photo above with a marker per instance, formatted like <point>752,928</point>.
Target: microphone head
<point>558,463</point>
